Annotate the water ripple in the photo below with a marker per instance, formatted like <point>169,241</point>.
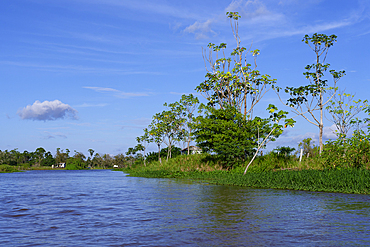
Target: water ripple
<point>105,208</point>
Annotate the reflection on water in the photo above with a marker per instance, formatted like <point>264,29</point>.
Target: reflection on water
<point>106,208</point>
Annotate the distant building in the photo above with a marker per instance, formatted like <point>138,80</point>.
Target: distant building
<point>192,150</point>
<point>59,165</point>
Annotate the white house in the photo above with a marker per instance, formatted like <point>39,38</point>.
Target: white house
<point>192,150</point>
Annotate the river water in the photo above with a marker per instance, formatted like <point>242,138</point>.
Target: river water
<point>106,208</point>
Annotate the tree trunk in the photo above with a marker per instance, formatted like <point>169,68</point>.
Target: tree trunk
<point>144,157</point>
<point>159,153</point>
<point>321,126</point>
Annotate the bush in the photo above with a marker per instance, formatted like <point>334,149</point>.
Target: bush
<point>8,168</point>
<point>344,152</point>
<point>74,164</point>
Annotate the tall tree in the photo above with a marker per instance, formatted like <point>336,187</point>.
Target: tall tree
<point>233,88</point>
<point>40,152</point>
<point>167,124</point>
<point>232,81</point>
<point>156,135</point>
<point>306,100</point>
<point>188,104</point>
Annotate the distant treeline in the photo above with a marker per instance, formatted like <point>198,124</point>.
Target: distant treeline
<point>42,158</point>
<point>77,160</point>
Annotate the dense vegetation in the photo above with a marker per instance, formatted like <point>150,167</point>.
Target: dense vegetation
<point>279,169</point>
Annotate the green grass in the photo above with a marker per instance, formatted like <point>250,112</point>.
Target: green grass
<point>343,181</point>
<point>266,172</point>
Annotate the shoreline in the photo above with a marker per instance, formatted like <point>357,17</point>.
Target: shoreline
<point>333,181</point>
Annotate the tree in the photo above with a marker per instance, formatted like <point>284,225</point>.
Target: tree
<point>309,99</point>
<point>144,141</point>
<point>40,154</point>
<point>284,151</point>
<point>231,81</point>
<point>91,152</point>
<point>97,160</point>
<point>233,88</point>
<point>166,127</point>
<point>276,130</point>
<point>79,155</point>
<point>89,160</point>
<point>61,157</point>
<point>343,108</point>
<point>48,160</point>
<point>188,104</point>
<point>74,164</point>
<point>130,152</point>
<point>107,161</point>
<point>119,160</point>
<point>156,135</point>
<point>140,148</point>
<point>152,156</point>
<point>226,133</point>
<point>308,147</point>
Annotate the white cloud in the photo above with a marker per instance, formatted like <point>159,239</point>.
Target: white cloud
<point>329,132</point>
<point>117,93</point>
<point>253,10</point>
<point>47,110</point>
<point>200,29</point>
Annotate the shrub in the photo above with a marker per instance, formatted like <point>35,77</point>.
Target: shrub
<point>74,164</point>
<point>345,152</point>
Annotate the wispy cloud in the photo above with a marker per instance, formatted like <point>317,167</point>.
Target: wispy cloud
<point>77,68</point>
<point>117,93</point>
<point>153,7</point>
<point>329,132</point>
<point>200,29</point>
<point>47,110</point>
<point>80,124</point>
<point>265,22</point>
<point>53,135</point>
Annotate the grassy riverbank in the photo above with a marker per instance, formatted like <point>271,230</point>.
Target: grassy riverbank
<point>8,169</point>
<point>289,174</point>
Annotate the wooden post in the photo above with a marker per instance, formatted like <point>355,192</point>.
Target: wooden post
<point>300,157</point>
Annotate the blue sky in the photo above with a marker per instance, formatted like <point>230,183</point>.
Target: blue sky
<point>82,74</point>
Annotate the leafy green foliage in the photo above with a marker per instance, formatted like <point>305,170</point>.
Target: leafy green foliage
<point>309,150</point>
<point>48,160</point>
<point>7,169</point>
<point>74,164</point>
<point>283,151</point>
<point>227,133</point>
<point>345,152</point>
<point>166,126</point>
